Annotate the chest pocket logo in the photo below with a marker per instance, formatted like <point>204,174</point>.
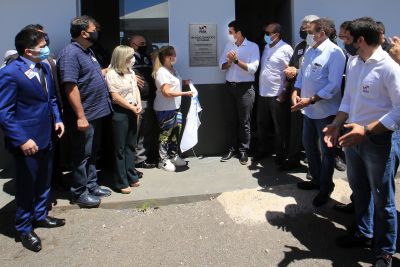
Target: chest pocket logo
<point>369,91</point>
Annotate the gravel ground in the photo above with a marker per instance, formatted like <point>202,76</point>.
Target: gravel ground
<point>196,234</point>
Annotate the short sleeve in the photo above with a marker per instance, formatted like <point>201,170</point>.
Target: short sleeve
<point>163,77</point>
<point>112,81</point>
<point>69,66</point>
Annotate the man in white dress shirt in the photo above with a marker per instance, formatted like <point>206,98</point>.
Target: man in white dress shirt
<point>272,105</point>
<point>371,110</point>
<point>240,60</point>
<point>318,83</point>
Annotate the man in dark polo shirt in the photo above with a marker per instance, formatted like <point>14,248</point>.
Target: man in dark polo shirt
<point>88,102</point>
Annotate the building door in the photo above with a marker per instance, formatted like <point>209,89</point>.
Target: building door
<point>259,13</point>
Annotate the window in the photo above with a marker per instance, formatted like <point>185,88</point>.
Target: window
<point>148,18</point>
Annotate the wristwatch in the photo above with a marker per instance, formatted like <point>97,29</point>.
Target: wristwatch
<point>312,100</point>
<point>236,61</point>
<point>367,131</point>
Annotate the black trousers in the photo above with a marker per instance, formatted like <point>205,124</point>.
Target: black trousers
<point>295,136</point>
<point>147,136</point>
<point>238,107</point>
<point>124,125</point>
<point>273,114</point>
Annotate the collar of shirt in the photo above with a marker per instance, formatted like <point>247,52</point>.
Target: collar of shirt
<point>87,50</point>
<point>377,56</point>
<point>323,45</point>
<point>244,43</point>
<point>138,55</point>
<point>30,63</point>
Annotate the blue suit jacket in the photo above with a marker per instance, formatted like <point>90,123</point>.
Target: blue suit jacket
<point>26,110</point>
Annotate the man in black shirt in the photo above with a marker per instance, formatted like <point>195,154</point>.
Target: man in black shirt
<point>147,133</point>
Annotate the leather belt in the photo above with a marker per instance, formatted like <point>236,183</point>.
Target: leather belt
<point>237,84</point>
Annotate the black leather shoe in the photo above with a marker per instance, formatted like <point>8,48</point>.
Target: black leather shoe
<point>139,174</point>
<point>31,241</point>
<point>243,158</point>
<point>100,192</point>
<point>145,165</point>
<point>88,201</point>
<point>309,176</point>
<point>321,199</point>
<point>345,208</point>
<point>354,240</point>
<point>49,222</point>
<point>230,154</point>
<point>339,164</point>
<point>308,185</point>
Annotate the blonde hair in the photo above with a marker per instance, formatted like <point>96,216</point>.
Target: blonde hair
<point>159,58</point>
<point>119,58</point>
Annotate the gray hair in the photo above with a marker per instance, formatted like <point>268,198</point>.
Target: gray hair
<point>309,18</point>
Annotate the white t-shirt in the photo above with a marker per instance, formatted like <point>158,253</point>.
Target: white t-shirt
<point>163,103</point>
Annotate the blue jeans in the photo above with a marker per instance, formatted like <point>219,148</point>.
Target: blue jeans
<point>370,171</point>
<point>85,146</point>
<point>321,159</point>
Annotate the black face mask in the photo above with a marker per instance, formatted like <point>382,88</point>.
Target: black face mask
<point>93,36</point>
<point>142,49</point>
<point>303,34</point>
<point>47,39</point>
<point>351,49</point>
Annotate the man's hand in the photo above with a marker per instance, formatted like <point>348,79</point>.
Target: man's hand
<point>231,56</point>
<point>59,127</point>
<point>82,124</point>
<point>29,148</point>
<point>290,72</point>
<point>140,81</point>
<point>300,103</point>
<point>354,137</point>
<point>331,132</point>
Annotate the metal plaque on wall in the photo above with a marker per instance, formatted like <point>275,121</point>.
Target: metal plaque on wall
<point>203,45</point>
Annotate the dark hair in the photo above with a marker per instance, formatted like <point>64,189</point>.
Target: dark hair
<point>27,38</point>
<point>367,28</point>
<point>277,28</point>
<point>381,26</point>
<point>80,24</point>
<point>327,26</point>
<point>238,26</point>
<point>37,27</point>
<point>345,24</point>
<point>160,55</point>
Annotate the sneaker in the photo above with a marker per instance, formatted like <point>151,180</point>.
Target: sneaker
<point>178,161</point>
<point>166,166</point>
<point>383,261</point>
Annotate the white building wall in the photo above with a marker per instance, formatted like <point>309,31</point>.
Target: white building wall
<point>185,12</point>
<point>342,10</point>
<point>54,15</point>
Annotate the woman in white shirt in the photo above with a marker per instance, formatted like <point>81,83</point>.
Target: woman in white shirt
<point>166,105</point>
<point>125,95</point>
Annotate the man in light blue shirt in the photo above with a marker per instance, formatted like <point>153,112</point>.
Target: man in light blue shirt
<point>317,93</point>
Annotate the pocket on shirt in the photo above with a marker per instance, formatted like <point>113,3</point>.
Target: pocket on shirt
<point>369,89</point>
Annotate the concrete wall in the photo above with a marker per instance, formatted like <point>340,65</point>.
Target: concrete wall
<point>55,16</point>
<point>185,12</point>
<point>341,10</point>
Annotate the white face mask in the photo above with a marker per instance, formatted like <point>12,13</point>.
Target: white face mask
<point>232,38</point>
<point>310,40</point>
<point>131,63</point>
<point>173,61</point>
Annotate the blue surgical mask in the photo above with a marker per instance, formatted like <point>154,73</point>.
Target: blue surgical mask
<point>340,43</point>
<point>267,39</point>
<point>43,53</point>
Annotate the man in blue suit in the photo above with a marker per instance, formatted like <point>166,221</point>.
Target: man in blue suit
<point>30,118</point>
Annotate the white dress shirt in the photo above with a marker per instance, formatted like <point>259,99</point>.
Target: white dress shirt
<point>372,90</point>
<point>247,52</point>
<point>321,74</point>
<point>273,61</point>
